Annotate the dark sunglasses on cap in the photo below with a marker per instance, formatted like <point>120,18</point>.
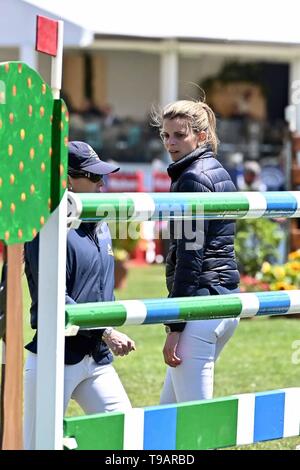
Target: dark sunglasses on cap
<point>86,174</point>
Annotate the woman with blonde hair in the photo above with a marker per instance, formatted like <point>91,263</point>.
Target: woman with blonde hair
<point>205,267</point>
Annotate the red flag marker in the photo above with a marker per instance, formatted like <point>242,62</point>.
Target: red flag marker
<point>46,35</point>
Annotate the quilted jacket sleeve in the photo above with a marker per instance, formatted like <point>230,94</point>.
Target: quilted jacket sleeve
<point>190,244</point>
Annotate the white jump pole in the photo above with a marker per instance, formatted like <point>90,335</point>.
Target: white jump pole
<point>51,308</point>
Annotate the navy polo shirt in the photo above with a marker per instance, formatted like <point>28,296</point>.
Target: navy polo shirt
<point>89,278</point>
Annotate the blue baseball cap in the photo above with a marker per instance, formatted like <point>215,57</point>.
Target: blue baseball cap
<point>82,157</point>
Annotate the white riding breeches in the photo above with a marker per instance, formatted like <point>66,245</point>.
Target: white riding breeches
<point>199,346</point>
<point>95,388</point>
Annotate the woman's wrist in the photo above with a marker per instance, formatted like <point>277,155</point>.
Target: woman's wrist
<point>107,333</point>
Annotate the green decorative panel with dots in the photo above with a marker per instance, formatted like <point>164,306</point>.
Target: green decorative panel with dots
<point>33,152</point>
<point>60,129</point>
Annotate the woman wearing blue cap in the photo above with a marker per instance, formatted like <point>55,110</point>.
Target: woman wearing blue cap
<point>90,378</point>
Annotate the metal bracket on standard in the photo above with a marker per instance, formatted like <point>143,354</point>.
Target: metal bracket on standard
<point>70,443</point>
<point>74,211</point>
<point>71,330</point>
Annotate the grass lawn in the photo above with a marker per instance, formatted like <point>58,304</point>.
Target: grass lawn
<point>258,358</point>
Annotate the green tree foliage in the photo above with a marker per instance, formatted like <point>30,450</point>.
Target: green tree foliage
<point>256,241</point>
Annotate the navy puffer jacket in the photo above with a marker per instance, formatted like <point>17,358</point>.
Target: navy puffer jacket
<point>213,262</point>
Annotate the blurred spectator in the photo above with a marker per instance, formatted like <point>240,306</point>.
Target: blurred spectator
<point>250,180</point>
<point>109,118</point>
<point>273,177</point>
<point>91,110</point>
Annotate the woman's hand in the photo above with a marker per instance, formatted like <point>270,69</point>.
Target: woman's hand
<point>170,349</point>
<point>119,343</point>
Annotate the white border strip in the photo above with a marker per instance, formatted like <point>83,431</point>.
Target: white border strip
<point>291,412</point>
<point>245,422</point>
<point>257,205</point>
<point>294,296</point>
<point>136,311</point>
<point>134,429</point>
<point>144,206</point>
<point>250,305</point>
<point>296,195</point>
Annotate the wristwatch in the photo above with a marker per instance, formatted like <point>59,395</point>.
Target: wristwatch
<point>107,332</point>
<point>168,329</point>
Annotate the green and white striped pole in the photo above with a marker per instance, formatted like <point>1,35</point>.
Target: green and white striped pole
<point>150,311</point>
<point>167,206</point>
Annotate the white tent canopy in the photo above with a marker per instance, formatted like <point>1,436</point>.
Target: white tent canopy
<point>18,25</point>
<point>234,20</point>
<point>253,29</point>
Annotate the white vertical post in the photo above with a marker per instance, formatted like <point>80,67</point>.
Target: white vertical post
<point>51,307</point>
<point>56,63</point>
<point>169,73</point>
<point>293,110</point>
<point>51,326</point>
<point>28,55</point>
<point>294,96</point>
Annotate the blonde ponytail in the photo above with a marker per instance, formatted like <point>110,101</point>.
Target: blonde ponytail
<point>212,137</point>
